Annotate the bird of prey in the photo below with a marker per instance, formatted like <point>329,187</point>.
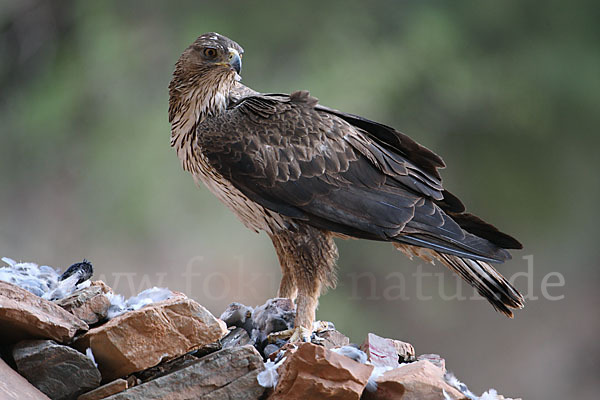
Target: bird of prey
<point>305,174</point>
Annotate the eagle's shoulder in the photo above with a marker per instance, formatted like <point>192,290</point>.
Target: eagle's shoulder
<point>304,97</point>
<point>247,100</point>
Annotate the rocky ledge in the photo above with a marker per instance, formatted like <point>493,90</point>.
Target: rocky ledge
<point>88,343</point>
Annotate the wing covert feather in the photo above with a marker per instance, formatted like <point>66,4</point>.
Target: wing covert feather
<point>311,163</point>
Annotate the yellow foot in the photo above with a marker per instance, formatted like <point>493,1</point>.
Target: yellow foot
<point>298,334</point>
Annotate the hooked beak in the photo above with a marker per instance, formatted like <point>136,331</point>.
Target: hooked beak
<point>235,60</point>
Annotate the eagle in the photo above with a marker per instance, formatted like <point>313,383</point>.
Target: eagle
<point>306,174</point>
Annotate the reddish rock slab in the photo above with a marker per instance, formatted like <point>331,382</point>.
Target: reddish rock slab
<point>14,387</point>
<point>24,315</point>
<point>226,374</point>
<point>143,338</point>
<point>313,372</point>
<point>380,351</point>
<point>236,338</point>
<point>420,380</point>
<point>89,304</point>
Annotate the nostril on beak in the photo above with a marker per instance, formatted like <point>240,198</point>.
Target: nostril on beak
<point>235,61</point>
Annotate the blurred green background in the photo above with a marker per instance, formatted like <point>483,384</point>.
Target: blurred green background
<point>506,91</point>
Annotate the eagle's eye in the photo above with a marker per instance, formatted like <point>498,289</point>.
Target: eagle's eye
<point>209,52</point>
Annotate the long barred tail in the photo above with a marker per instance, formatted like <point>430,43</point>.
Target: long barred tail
<point>479,274</point>
<point>486,280</point>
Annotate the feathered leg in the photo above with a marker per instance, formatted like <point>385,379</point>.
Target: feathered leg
<point>287,286</point>
<point>307,256</point>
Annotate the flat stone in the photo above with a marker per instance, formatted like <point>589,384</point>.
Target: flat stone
<point>14,387</point>
<point>116,386</point>
<point>89,304</point>
<point>331,339</point>
<point>56,370</point>
<point>313,372</point>
<point>420,380</point>
<point>380,351</point>
<point>140,339</point>
<point>227,374</point>
<point>236,338</point>
<point>24,315</point>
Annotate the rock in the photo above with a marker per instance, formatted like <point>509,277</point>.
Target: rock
<point>207,349</point>
<point>270,350</point>
<point>406,351</point>
<point>420,380</point>
<point>331,339</point>
<point>116,386</point>
<point>14,387</point>
<point>313,372</point>
<point>235,338</point>
<point>166,368</point>
<point>105,288</point>
<point>435,359</point>
<point>381,351</point>
<point>227,374</point>
<point>57,370</point>
<point>141,339</point>
<point>24,315</point>
<point>89,304</point>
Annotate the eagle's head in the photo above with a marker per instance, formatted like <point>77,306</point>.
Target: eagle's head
<point>203,77</point>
